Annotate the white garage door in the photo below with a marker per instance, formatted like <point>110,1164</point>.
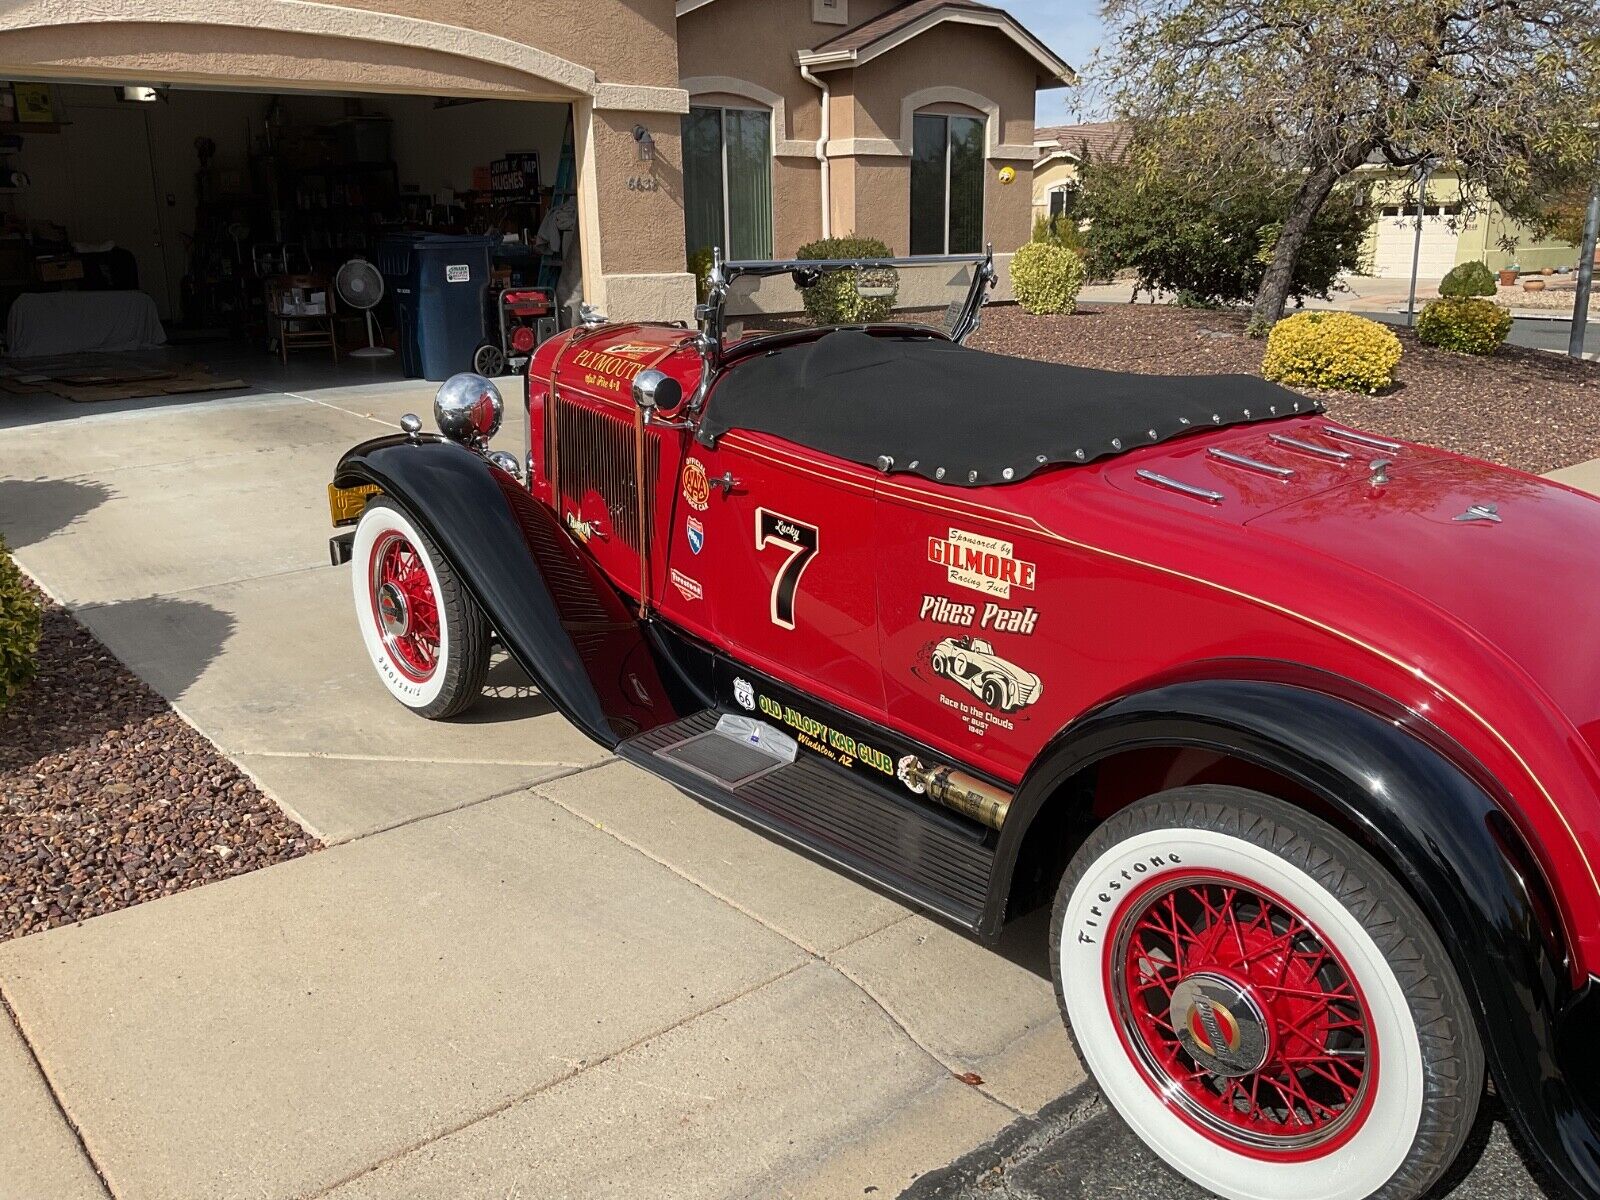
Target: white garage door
<point>1397,233</point>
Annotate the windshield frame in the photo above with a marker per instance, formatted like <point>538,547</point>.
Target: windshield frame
<point>711,315</point>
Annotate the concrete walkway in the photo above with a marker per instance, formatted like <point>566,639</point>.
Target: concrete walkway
<point>520,969</point>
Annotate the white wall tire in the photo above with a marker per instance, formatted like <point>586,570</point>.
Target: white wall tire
<point>1363,1013</point>
<point>426,637</point>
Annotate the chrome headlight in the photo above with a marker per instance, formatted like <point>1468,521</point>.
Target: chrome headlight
<point>468,409</point>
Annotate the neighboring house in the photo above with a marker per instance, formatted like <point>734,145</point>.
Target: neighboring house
<point>753,125</point>
<point>1061,153</point>
<point>1450,234</point>
<point>834,117</point>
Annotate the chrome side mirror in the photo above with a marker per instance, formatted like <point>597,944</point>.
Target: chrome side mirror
<point>468,409</point>
<point>655,390</point>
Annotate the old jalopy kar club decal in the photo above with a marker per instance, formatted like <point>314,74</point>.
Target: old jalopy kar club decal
<point>969,656</point>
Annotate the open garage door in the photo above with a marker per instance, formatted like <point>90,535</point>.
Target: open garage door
<point>1397,234</point>
<point>213,229</point>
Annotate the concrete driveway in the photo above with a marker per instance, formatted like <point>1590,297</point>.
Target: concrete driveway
<point>520,968</point>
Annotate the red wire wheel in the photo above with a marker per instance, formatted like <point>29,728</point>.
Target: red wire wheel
<point>404,604</point>
<point>1242,1016</point>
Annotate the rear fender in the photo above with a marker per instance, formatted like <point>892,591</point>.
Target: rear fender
<point>1422,813</point>
<point>554,611</point>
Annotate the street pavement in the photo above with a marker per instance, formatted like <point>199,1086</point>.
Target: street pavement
<point>1078,1149</point>
<point>520,968</point>
<point>1386,300</point>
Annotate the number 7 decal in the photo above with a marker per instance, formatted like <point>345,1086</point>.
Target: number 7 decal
<point>800,540</point>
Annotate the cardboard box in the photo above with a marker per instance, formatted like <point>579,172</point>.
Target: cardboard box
<point>59,270</point>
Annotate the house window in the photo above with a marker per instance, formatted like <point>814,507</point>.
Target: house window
<point>1063,200</point>
<point>727,181</point>
<point>946,184</point>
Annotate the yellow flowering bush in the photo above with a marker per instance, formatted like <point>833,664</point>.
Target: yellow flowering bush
<point>1046,278</point>
<point>1334,350</point>
<point>1470,326</point>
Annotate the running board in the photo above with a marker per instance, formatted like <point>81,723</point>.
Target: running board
<point>929,858</point>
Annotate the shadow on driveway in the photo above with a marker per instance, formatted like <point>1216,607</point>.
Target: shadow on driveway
<point>177,639</point>
<point>34,509</point>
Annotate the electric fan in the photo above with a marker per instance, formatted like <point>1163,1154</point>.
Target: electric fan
<point>361,287</point>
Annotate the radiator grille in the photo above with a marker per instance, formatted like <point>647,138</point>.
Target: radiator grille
<point>595,454</point>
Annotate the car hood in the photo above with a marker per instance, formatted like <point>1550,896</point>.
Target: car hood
<point>1512,557</point>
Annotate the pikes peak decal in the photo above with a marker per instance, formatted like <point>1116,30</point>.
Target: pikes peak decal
<point>941,610</point>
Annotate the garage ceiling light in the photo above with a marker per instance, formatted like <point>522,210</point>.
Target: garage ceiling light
<point>138,94</point>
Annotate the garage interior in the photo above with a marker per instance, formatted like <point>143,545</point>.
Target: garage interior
<point>174,240</point>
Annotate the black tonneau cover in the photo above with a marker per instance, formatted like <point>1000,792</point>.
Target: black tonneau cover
<point>967,417</point>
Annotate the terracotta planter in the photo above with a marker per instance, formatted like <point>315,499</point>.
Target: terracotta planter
<point>1533,285</point>
<point>1508,279</point>
<point>1547,270</point>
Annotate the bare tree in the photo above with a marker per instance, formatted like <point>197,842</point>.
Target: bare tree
<point>1501,91</point>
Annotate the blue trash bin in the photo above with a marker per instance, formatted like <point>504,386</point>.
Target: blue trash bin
<point>439,282</point>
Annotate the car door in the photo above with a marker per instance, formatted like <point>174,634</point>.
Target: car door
<point>966,658</point>
<point>773,558</point>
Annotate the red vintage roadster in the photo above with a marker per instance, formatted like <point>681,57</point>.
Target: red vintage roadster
<point>1298,728</point>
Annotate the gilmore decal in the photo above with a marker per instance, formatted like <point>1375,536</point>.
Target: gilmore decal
<point>984,564</point>
<point>822,738</point>
<point>941,610</point>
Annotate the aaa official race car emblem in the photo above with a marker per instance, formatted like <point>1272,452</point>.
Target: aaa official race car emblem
<point>696,484</point>
<point>984,564</point>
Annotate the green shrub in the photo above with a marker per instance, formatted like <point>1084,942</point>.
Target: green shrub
<point>1059,230</point>
<point>834,300</point>
<point>19,629</point>
<point>700,265</point>
<point>1046,278</point>
<point>1211,238</point>
<point>1334,350</point>
<point>1467,279</point>
<point>1470,326</point>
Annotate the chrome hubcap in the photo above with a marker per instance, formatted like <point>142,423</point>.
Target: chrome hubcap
<point>1221,1026</point>
<point>393,610</point>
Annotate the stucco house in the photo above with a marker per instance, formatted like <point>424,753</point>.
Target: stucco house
<point>1452,231</point>
<point>753,125</point>
<point>1061,150</point>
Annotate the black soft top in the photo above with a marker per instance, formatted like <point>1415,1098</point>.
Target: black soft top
<point>967,417</point>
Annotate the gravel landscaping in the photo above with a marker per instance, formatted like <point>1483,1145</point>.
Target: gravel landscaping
<point>1522,408</point>
<point>108,798</point>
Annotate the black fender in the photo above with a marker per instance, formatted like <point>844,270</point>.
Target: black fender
<point>1428,812</point>
<point>553,609</point>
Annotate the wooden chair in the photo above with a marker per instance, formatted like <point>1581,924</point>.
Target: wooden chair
<point>288,326</point>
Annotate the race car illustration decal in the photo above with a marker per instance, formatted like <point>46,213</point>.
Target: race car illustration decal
<point>1000,684</point>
